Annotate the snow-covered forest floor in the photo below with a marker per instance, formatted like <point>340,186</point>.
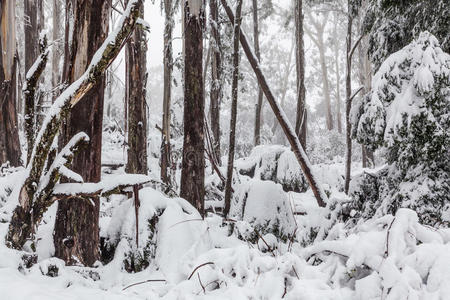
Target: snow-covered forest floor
<point>269,252</point>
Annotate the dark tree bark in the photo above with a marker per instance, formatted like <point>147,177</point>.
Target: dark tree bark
<point>32,205</point>
<point>216,79</point>
<point>135,92</point>
<point>234,99</point>
<point>76,235</point>
<point>258,110</point>
<point>300,123</point>
<point>9,132</point>
<point>289,131</point>
<point>166,161</point>
<point>193,165</point>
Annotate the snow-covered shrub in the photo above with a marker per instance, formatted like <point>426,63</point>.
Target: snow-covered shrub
<point>155,212</point>
<point>265,206</point>
<point>408,114</point>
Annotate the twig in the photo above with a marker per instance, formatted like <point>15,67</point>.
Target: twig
<point>387,238</point>
<point>198,267</point>
<point>269,248</point>
<point>185,221</point>
<point>142,282</point>
<point>296,275</point>
<point>201,284</point>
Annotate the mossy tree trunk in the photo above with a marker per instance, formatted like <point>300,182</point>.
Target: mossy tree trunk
<point>193,164</point>
<point>76,235</point>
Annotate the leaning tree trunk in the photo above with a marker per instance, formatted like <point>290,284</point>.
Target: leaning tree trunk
<point>9,132</point>
<point>289,131</point>
<point>234,98</point>
<point>216,79</point>
<point>193,164</point>
<point>168,67</point>
<point>300,123</point>
<point>76,234</point>
<point>258,108</point>
<point>135,85</point>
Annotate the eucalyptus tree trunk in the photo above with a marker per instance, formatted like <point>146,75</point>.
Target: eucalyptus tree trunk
<point>258,110</point>
<point>9,132</point>
<point>318,38</point>
<point>76,234</point>
<point>193,165</point>
<point>135,92</point>
<point>234,98</point>
<point>348,103</point>
<point>168,67</point>
<point>301,117</point>
<point>216,79</point>
<point>338,75</point>
<point>56,52</point>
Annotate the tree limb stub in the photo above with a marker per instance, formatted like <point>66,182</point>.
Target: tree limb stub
<point>298,150</point>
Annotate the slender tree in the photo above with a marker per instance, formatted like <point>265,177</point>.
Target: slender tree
<point>338,73</point>
<point>76,235</point>
<point>57,50</point>
<point>9,132</point>
<point>135,92</point>
<point>169,8</point>
<point>318,39</point>
<point>234,98</point>
<point>301,117</point>
<point>258,110</point>
<point>216,78</point>
<point>193,164</point>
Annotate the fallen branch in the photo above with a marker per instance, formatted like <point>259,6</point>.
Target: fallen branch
<point>142,282</point>
<point>198,267</point>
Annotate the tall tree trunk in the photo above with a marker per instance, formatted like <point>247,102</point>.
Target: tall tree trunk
<point>258,110</point>
<point>193,165</point>
<point>300,123</point>
<point>216,79</point>
<point>76,235</point>
<point>289,131</point>
<point>348,102</point>
<point>9,132</point>
<point>234,98</point>
<point>338,76</point>
<point>32,28</point>
<point>168,66</point>
<point>135,92</point>
<point>56,53</point>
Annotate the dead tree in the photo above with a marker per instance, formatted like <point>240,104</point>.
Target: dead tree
<point>135,92</point>
<point>301,117</point>
<point>43,172</point>
<point>234,98</point>
<point>258,107</point>
<point>216,79</point>
<point>193,163</point>
<point>30,89</point>
<point>169,8</point>
<point>9,132</point>
<point>289,131</point>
